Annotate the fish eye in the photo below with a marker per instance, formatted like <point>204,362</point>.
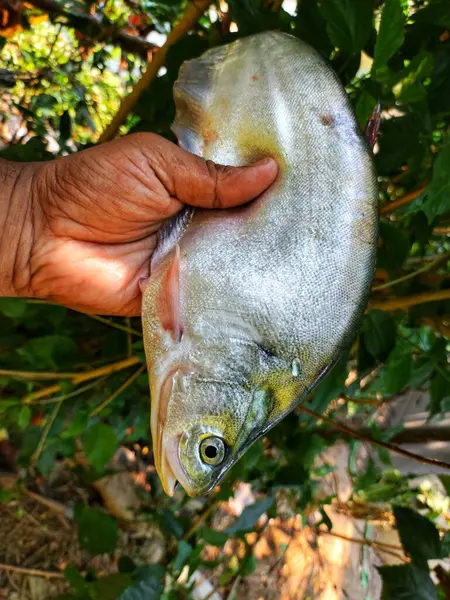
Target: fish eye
<point>212,450</point>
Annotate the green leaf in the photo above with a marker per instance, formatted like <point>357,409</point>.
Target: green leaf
<point>310,26</point>
<point>349,23</point>
<point>147,584</point>
<point>391,34</point>
<point>108,588</point>
<point>406,582</point>
<point>100,443</point>
<point>437,200</point>
<point>379,333</point>
<point>24,417</point>
<point>248,565</point>
<point>169,523</point>
<point>183,554</point>
<point>75,579</point>
<point>250,515</point>
<point>14,308</point>
<point>213,537</point>
<point>395,247</point>
<point>48,351</point>
<point>419,536</point>
<point>97,532</point>
<point>445,545</point>
<point>410,88</point>
<point>65,126</point>
<point>439,392</point>
<point>364,107</point>
<point>398,369</point>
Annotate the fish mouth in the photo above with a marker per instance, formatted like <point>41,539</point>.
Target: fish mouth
<point>165,447</point>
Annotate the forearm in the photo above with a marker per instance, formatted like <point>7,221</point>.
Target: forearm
<point>17,223</point>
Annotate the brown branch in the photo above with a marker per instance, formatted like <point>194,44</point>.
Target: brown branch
<point>380,546</point>
<point>101,28</point>
<point>402,200</point>
<point>33,572</point>
<point>410,435</point>
<point>364,438</point>
<point>193,12</point>
<point>36,375</point>
<point>82,377</point>
<point>428,267</point>
<point>404,302</point>
<point>98,409</point>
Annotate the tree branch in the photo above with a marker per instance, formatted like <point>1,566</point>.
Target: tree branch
<point>86,376</point>
<point>363,438</point>
<point>33,572</point>
<point>402,303</point>
<point>410,435</point>
<point>101,29</point>
<point>193,12</point>
<point>403,200</point>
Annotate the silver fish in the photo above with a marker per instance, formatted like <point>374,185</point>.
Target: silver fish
<point>246,309</point>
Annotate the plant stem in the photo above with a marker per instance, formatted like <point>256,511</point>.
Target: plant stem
<point>363,438</point>
<point>427,267</point>
<point>402,303</point>
<point>114,395</point>
<point>386,548</point>
<point>45,433</point>
<point>82,377</point>
<point>118,326</point>
<point>201,519</point>
<point>402,200</point>
<point>33,572</point>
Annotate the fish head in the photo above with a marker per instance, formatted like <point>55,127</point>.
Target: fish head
<point>207,415</point>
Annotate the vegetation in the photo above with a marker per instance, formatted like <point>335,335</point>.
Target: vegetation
<point>74,387</point>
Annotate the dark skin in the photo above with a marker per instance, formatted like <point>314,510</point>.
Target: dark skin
<point>80,231</point>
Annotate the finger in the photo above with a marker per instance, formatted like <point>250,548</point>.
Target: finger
<point>198,182</point>
<point>218,186</point>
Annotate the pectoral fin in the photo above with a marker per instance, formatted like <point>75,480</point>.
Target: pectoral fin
<point>168,301</point>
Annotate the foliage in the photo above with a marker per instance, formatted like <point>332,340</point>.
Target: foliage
<point>70,78</point>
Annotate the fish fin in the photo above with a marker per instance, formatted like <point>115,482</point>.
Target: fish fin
<point>170,235</point>
<point>373,125</point>
<point>168,301</point>
<point>193,95</point>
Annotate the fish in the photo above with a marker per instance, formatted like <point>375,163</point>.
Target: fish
<point>246,309</point>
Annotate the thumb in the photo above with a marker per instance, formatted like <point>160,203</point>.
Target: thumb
<point>198,182</point>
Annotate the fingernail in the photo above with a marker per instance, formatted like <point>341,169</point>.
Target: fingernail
<point>264,161</point>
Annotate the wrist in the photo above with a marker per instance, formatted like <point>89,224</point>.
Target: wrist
<point>18,218</point>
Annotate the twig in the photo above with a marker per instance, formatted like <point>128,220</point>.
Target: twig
<point>129,338</point>
<point>48,426</point>
<point>82,377</point>
<point>201,519</point>
<point>193,12</point>
<point>402,200</point>
<point>404,302</point>
<point>52,505</point>
<point>33,572</point>
<point>118,326</point>
<point>76,392</point>
<point>113,396</point>
<point>36,375</point>
<point>427,267</point>
<point>363,438</point>
<point>380,546</point>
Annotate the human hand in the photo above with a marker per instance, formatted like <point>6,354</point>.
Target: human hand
<point>96,214</point>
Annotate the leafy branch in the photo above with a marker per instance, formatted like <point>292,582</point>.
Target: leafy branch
<point>100,28</point>
<point>365,438</point>
<point>193,12</point>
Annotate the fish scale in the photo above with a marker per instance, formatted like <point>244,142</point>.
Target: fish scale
<point>269,294</point>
